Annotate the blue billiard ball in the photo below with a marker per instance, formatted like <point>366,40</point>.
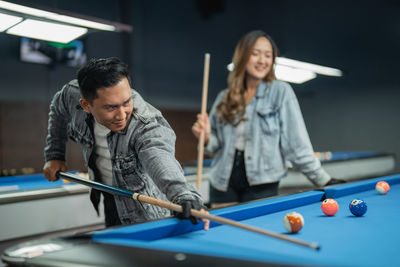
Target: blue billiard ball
<point>358,207</point>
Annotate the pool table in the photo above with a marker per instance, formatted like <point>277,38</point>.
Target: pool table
<point>345,240</point>
<point>31,205</point>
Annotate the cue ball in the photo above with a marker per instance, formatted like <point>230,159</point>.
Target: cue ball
<point>293,222</point>
<point>329,207</point>
<point>382,187</point>
<point>358,207</point>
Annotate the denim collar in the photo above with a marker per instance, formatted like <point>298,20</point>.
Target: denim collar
<point>262,89</point>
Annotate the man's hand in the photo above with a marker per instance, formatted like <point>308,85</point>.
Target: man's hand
<point>187,205</point>
<point>51,167</point>
<point>334,181</point>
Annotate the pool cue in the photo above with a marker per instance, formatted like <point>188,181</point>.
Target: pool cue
<point>178,208</point>
<point>200,152</point>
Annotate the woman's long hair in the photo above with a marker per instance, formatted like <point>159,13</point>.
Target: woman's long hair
<point>233,102</point>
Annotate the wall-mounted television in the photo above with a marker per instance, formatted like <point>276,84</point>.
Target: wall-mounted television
<point>43,52</point>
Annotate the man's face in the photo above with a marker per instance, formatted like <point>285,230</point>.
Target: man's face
<point>113,106</point>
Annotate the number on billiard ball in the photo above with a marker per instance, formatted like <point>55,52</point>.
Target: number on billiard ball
<point>382,187</point>
<point>293,222</point>
<point>358,207</point>
<point>329,207</point>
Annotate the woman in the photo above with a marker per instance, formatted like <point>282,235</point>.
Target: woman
<point>254,127</point>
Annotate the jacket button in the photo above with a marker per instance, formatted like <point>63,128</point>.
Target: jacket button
<point>88,145</point>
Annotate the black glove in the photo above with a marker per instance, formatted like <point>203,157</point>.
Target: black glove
<point>186,206</point>
<point>333,181</point>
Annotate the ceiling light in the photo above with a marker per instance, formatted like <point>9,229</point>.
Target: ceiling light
<point>295,71</point>
<point>47,31</point>
<point>308,66</point>
<point>82,22</point>
<point>293,75</point>
<point>288,74</point>
<point>6,21</point>
<point>56,17</point>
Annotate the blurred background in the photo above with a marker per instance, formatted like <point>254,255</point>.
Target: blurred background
<point>165,51</point>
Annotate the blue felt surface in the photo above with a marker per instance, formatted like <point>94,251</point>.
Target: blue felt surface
<point>346,240</point>
<point>167,228</point>
<point>27,182</point>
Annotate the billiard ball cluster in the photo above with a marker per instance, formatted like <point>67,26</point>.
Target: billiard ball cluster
<point>294,221</point>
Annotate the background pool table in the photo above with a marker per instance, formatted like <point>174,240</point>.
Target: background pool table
<point>31,205</point>
<point>346,165</point>
<point>346,240</point>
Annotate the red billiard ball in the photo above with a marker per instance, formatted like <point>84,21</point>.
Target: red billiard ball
<point>293,222</point>
<point>329,207</point>
<point>382,187</point>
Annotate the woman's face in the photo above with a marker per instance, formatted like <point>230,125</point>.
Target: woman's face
<point>261,59</point>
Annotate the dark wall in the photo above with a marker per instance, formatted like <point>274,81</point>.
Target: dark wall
<point>356,112</point>
<point>166,53</point>
<point>26,89</point>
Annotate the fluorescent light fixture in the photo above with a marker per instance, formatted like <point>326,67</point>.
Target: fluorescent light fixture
<point>82,22</point>
<point>47,31</point>
<point>295,71</point>
<point>293,75</point>
<point>6,21</point>
<point>57,17</point>
<point>308,66</point>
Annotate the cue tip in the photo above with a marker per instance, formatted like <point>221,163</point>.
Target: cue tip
<point>316,246</point>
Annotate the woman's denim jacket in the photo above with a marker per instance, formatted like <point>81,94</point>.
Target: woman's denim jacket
<point>142,154</point>
<point>275,134</point>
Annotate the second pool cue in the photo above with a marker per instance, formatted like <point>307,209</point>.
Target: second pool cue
<point>178,208</point>
<point>200,151</point>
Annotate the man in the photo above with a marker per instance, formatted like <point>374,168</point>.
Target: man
<point>126,143</point>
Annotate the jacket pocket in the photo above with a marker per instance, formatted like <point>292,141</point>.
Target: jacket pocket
<point>269,120</point>
<point>127,169</point>
<point>84,141</point>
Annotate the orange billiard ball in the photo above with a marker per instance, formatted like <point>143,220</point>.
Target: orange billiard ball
<point>293,222</point>
<point>329,207</point>
<point>382,187</point>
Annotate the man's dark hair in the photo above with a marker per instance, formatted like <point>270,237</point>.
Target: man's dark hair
<point>100,73</point>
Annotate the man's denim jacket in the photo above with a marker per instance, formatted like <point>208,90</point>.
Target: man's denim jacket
<point>275,134</point>
<point>142,154</point>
